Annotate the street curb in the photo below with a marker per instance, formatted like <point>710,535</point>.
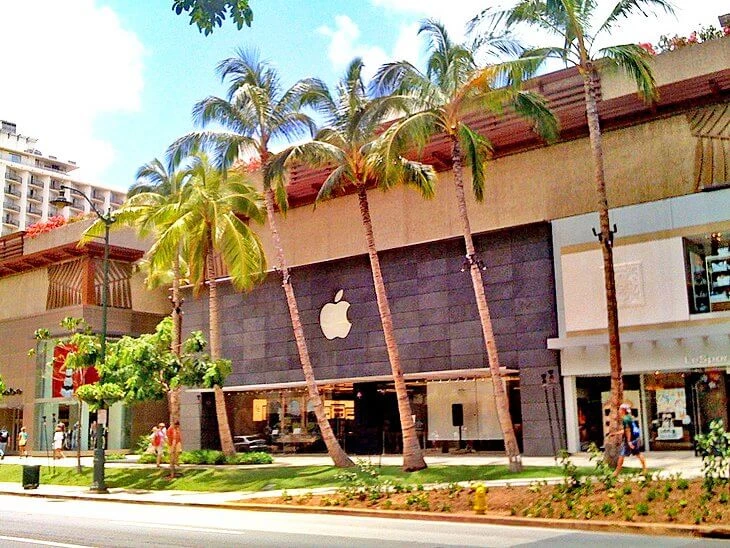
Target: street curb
<point>649,529</point>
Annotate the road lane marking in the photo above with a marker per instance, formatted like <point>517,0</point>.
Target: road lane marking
<point>43,542</point>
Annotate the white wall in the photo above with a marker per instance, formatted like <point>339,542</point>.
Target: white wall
<point>480,413</point>
<point>650,285</point>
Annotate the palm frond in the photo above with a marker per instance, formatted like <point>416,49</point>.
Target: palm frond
<point>533,107</point>
<point>475,149</point>
<point>338,178</point>
<point>635,62</point>
<point>624,8</point>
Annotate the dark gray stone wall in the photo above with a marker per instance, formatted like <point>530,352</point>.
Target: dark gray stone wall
<point>436,319</point>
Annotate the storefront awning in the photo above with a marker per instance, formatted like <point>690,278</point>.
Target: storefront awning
<point>454,374</point>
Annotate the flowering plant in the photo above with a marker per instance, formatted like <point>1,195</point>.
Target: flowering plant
<point>42,227</point>
<point>671,43</point>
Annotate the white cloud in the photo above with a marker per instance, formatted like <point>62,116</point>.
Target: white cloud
<point>63,65</point>
<point>344,46</point>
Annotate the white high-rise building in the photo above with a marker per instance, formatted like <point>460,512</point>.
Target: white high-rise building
<point>29,180</point>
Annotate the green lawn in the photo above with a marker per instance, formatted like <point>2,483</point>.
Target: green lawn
<point>263,479</point>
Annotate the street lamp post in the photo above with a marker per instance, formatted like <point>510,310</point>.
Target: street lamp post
<point>99,484</point>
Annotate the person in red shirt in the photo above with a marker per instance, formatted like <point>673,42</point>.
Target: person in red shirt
<point>174,446</point>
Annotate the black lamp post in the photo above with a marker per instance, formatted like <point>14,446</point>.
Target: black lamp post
<point>99,484</point>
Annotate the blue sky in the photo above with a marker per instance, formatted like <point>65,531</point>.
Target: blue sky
<point>110,83</point>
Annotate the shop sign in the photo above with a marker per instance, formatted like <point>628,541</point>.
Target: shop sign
<point>707,360</point>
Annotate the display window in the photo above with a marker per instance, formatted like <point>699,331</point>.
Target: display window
<point>707,267</point>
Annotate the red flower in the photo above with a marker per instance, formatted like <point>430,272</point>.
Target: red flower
<point>693,38</point>
<point>41,228</point>
<point>726,31</point>
<point>648,47</point>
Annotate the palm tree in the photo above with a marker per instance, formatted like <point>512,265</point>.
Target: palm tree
<point>452,88</point>
<point>347,145</point>
<point>255,112</point>
<point>148,207</point>
<point>570,21</point>
<point>211,219</point>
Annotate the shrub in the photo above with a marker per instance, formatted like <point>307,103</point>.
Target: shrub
<point>256,457</point>
<point>115,457</point>
<point>651,495</point>
<point>607,509</point>
<point>202,456</point>
<point>682,484</point>
<point>642,509</point>
<point>714,447</point>
<point>672,513</point>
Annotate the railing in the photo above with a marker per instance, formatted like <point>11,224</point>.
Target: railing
<point>36,181</point>
<point>55,184</point>
<point>49,167</point>
<point>11,190</point>
<point>11,206</point>
<point>34,211</point>
<point>35,196</point>
<point>11,222</point>
<point>12,176</point>
<point>11,245</point>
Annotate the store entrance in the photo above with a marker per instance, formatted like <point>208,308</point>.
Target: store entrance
<point>593,395</point>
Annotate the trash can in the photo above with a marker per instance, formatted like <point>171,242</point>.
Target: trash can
<point>31,476</point>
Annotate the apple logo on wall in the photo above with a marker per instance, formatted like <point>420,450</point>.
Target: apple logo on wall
<point>333,318</point>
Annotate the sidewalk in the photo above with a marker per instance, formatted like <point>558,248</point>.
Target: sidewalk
<point>668,463</point>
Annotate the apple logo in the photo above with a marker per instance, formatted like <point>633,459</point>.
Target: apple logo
<point>333,318</point>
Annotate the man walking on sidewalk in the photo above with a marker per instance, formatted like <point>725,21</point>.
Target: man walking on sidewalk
<point>4,435</point>
<point>174,446</point>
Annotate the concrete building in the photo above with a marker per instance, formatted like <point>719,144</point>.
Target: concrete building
<point>43,280</point>
<point>652,152</point>
<point>29,180</point>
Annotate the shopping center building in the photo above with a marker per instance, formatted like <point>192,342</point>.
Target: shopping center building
<point>542,279</point>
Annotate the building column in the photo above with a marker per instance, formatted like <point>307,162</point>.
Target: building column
<point>571,414</point>
<point>190,417</point>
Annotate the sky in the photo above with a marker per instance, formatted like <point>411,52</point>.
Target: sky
<point>111,83</point>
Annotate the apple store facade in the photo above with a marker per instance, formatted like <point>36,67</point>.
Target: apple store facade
<point>439,337</point>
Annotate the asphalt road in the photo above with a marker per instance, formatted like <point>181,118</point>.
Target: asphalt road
<point>26,521</point>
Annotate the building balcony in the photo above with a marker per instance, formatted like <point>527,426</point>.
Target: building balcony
<point>55,184</point>
<point>13,176</point>
<point>35,196</point>
<point>11,206</point>
<point>12,191</point>
<point>9,221</point>
<point>35,181</point>
<point>34,211</point>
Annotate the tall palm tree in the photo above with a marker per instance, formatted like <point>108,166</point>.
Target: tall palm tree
<point>255,112</point>
<point>211,219</point>
<point>452,88</point>
<point>572,23</point>
<point>347,145</point>
<point>148,207</point>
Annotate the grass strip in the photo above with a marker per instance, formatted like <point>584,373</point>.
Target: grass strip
<point>212,479</point>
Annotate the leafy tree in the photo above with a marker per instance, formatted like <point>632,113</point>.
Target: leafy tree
<point>346,144</point>
<point>257,110</point>
<point>139,369</point>
<point>209,14</point>
<point>2,387</point>
<point>572,23</point>
<point>440,101</point>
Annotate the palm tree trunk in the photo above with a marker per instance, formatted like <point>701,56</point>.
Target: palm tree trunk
<point>334,450</point>
<point>224,429</point>
<point>511,447</point>
<point>173,395</point>
<point>412,454</point>
<point>176,307</point>
<point>613,439</point>
<point>173,402</point>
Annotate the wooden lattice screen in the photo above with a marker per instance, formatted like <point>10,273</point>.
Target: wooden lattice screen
<point>64,284</point>
<point>66,281</point>
<point>711,127</point>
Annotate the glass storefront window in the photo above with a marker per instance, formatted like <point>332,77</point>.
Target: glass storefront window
<point>707,269</point>
<point>668,400</point>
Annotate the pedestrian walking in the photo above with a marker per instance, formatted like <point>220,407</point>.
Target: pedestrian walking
<point>174,446</point>
<point>631,439</point>
<point>157,443</point>
<point>58,436</point>
<point>23,442</point>
<point>4,436</point>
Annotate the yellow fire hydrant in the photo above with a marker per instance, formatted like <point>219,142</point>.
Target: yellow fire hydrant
<point>480,499</point>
